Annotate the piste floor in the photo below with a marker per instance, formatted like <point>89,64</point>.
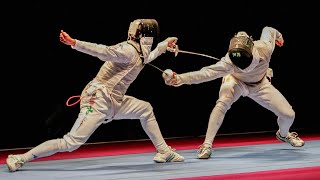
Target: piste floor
<point>238,156</point>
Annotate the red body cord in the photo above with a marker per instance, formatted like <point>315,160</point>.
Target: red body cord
<point>67,103</point>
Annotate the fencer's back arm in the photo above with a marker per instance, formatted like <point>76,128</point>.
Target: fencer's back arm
<point>270,35</point>
<point>121,52</point>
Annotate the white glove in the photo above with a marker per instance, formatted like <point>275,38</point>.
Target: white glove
<point>171,78</point>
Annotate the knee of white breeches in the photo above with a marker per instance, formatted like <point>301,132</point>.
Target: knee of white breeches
<point>68,147</point>
<point>148,111</point>
<point>287,115</point>
<point>65,145</point>
<point>73,147</point>
<point>222,106</point>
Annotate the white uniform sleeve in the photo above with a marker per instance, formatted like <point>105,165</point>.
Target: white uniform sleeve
<point>269,35</point>
<point>161,48</point>
<point>117,53</point>
<point>207,73</point>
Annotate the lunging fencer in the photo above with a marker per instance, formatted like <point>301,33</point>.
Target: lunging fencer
<point>245,72</point>
<point>104,98</point>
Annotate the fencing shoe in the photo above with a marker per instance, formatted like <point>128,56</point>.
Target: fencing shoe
<point>204,152</point>
<point>14,162</point>
<point>168,156</point>
<point>292,138</point>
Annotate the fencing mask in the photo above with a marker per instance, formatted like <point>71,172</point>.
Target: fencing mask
<point>146,32</point>
<point>240,50</point>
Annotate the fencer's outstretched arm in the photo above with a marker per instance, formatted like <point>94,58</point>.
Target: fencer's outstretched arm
<point>205,74</point>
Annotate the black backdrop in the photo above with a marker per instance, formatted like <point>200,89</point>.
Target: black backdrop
<point>40,73</point>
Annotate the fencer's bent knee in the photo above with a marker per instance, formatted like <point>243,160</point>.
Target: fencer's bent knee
<point>288,114</point>
<point>225,99</point>
<point>223,106</point>
<point>148,111</point>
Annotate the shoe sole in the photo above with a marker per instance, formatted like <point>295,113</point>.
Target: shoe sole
<point>167,161</point>
<point>172,159</point>
<point>205,156</point>
<point>164,161</point>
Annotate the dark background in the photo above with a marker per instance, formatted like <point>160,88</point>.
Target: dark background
<point>40,73</point>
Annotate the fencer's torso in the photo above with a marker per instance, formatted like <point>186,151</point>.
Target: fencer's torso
<point>118,76</point>
<point>262,51</point>
<point>122,65</point>
<point>262,54</point>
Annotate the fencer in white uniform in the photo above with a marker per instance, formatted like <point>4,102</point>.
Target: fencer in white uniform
<point>104,98</point>
<point>245,72</point>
